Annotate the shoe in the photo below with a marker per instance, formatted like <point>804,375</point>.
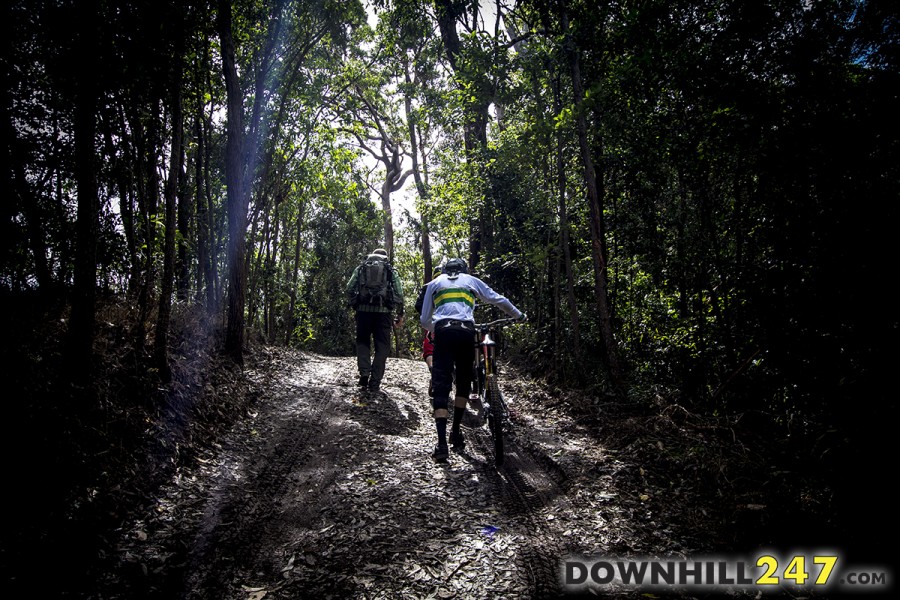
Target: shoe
<point>363,381</point>
<point>457,441</point>
<point>374,386</point>
<point>440,453</point>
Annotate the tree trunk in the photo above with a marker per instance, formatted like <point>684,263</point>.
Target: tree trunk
<point>241,163</point>
<point>213,280</point>
<point>147,155</point>
<point>17,182</point>
<point>421,188</point>
<point>427,260</point>
<point>388,217</point>
<point>564,243</point>
<point>81,325</point>
<point>161,353</point>
<point>185,211</point>
<point>295,270</point>
<point>207,272</point>
<point>204,264</point>
<point>126,196</point>
<point>238,192</point>
<point>475,126</point>
<point>270,275</point>
<point>29,203</point>
<point>254,271</point>
<point>611,356</point>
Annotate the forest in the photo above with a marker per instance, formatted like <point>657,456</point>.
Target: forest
<point>692,200</point>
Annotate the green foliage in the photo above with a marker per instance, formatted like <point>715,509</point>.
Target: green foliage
<point>456,193</point>
<point>746,159</point>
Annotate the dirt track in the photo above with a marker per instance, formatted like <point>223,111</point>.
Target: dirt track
<point>323,492</point>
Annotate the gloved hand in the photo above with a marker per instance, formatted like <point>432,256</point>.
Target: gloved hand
<point>523,317</point>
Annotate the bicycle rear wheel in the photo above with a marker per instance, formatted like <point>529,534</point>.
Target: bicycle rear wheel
<point>495,420</point>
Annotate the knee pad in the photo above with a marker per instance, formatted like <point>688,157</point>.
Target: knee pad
<point>440,407</point>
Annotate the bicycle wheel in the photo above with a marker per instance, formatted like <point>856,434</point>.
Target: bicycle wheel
<point>495,420</point>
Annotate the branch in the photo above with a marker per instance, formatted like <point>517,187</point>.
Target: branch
<point>371,187</point>
<point>522,38</point>
<point>375,114</point>
<point>397,182</point>
<point>362,145</point>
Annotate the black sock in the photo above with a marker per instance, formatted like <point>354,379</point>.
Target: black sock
<point>457,417</point>
<point>442,431</point>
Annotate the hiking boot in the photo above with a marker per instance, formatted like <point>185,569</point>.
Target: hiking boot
<point>457,441</point>
<point>363,381</point>
<point>440,453</point>
<point>374,386</point>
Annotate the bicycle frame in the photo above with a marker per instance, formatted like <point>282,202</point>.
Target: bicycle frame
<point>486,385</point>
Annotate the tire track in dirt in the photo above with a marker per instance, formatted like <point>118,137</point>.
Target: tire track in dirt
<point>525,488</point>
<point>329,493</point>
<point>518,494</point>
<point>239,520</point>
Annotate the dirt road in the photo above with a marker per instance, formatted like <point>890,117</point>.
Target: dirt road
<point>323,492</point>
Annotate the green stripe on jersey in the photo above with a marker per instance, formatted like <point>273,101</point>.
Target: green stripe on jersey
<point>454,295</point>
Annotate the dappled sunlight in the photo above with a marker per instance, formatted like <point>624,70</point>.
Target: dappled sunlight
<point>323,489</point>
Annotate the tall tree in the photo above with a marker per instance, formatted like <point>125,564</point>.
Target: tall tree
<point>470,69</point>
<point>611,353</point>
<point>81,328</point>
<point>171,192</point>
<point>238,191</point>
<point>563,214</point>
<point>241,148</point>
<point>384,145</point>
<point>411,52</point>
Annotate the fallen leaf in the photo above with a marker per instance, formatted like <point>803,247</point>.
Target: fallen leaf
<point>289,565</point>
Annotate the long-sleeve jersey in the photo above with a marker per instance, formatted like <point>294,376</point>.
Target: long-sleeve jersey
<point>454,298</point>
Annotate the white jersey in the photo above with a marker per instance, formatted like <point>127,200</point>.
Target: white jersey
<point>454,298</point>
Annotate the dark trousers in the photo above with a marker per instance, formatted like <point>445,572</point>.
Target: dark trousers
<point>372,326</point>
<point>453,346</point>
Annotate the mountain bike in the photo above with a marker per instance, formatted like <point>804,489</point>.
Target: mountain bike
<point>486,382</point>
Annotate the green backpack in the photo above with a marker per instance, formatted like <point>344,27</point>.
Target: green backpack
<point>375,284</point>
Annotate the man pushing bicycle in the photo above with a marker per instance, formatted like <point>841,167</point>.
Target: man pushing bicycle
<point>448,311</point>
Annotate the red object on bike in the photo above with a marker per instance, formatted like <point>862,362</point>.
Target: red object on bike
<point>428,345</point>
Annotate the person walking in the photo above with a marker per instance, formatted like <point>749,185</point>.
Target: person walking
<point>375,292</point>
<point>448,310</point>
<point>428,339</point>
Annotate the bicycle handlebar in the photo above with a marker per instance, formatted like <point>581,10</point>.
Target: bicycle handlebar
<point>497,323</point>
